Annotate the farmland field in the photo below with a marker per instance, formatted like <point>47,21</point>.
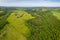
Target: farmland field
<point>29,23</point>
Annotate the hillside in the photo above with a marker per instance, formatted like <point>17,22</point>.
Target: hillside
<point>30,24</point>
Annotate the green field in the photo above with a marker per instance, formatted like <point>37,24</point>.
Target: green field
<point>29,23</point>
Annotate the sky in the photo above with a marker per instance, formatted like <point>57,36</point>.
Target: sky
<point>30,3</point>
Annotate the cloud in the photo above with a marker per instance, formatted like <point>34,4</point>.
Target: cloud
<point>31,4</point>
<point>42,3</point>
<point>22,0</point>
<point>1,1</point>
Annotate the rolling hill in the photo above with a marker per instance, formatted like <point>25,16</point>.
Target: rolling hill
<point>30,24</point>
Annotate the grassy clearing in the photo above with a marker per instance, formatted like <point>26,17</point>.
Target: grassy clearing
<point>17,25</point>
<point>57,14</point>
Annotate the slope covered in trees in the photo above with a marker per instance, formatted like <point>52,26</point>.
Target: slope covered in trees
<point>30,24</point>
